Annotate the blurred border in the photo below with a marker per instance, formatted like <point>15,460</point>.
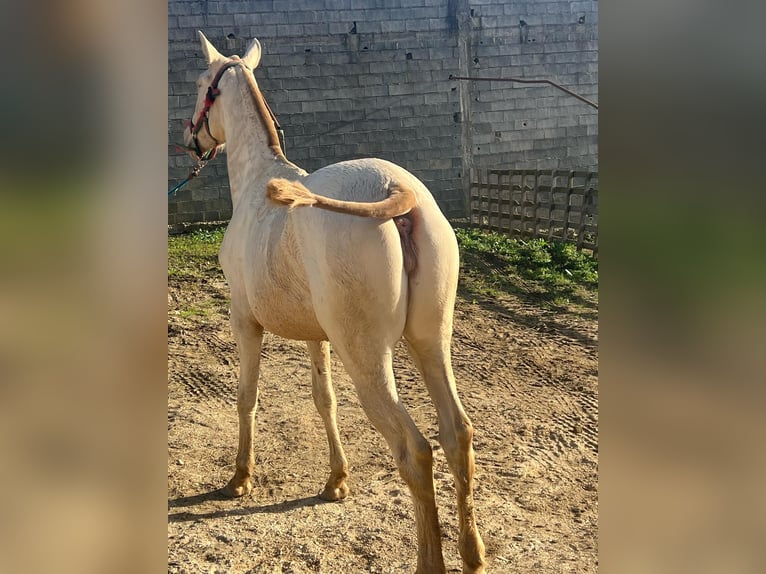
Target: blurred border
<point>83,227</point>
<point>681,287</point>
<point>83,287</point>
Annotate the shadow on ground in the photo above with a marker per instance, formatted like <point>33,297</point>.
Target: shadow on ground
<point>218,496</point>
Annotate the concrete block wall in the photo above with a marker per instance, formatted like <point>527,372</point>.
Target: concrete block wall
<point>522,126</point>
<point>370,78</point>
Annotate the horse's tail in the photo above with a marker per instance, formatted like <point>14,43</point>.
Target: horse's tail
<point>401,199</point>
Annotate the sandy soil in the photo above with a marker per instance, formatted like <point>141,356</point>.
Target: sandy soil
<point>527,377</point>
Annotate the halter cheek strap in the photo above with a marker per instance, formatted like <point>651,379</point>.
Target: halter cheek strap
<point>203,118</point>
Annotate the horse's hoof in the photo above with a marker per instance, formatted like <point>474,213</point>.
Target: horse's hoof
<point>333,494</point>
<point>237,488</point>
<point>473,553</point>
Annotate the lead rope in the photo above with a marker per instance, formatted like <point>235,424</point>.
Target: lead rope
<point>202,162</point>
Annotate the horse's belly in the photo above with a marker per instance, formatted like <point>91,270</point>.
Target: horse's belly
<point>295,330</point>
<point>290,319</point>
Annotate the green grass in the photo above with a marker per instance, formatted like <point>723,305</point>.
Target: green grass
<point>193,263</point>
<point>194,255</point>
<point>204,310</point>
<point>547,272</point>
<point>537,270</point>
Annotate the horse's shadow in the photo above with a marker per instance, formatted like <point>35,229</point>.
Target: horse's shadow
<point>217,495</point>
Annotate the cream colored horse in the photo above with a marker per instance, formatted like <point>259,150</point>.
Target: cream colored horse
<point>361,259</point>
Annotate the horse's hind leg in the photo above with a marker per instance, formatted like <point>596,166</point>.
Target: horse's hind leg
<point>324,399</point>
<point>455,437</point>
<point>373,378</point>
<point>428,332</point>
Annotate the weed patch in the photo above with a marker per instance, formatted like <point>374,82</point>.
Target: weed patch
<point>547,272</point>
<point>194,255</point>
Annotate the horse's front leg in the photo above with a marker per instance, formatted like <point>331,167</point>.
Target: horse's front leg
<point>249,336</point>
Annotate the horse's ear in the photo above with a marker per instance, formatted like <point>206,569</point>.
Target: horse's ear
<point>211,54</point>
<point>252,55</point>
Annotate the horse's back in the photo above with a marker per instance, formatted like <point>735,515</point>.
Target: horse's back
<point>364,180</point>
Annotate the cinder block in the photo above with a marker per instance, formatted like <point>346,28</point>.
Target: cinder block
<point>316,28</point>
<point>336,5</point>
<point>290,30</point>
<point>339,105</point>
<point>388,26</point>
<point>179,34</point>
<point>400,89</point>
<point>545,144</point>
<point>587,7</point>
<point>356,137</point>
<point>270,18</point>
<point>588,119</point>
<point>383,67</point>
<point>576,131</point>
<point>314,106</point>
<point>445,53</point>
<point>186,22</point>
<point>437,98</point>
<point>267,6</point>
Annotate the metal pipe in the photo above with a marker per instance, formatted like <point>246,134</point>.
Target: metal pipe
<point>525,81</point>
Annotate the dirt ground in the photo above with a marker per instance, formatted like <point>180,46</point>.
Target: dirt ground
<point>526,375</point>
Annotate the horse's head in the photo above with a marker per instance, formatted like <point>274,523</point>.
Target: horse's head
<point>205,132</point>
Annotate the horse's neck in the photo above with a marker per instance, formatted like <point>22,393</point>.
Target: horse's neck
<point>250,160</point>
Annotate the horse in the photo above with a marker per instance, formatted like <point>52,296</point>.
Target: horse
<point>355,255</point>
